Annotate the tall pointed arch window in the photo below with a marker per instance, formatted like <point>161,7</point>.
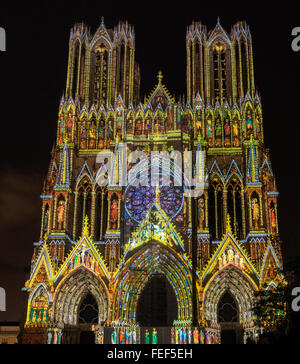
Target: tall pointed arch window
<point>100,75</point>
<point>82,76</point>
<point>216,220</point>
<point>75,68</point>
<point>234,207</point>
<point>219,71</point>
<point>244,61</point>
<point>84,205</point>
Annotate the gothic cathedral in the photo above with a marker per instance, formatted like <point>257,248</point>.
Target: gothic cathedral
<point>121,259</point>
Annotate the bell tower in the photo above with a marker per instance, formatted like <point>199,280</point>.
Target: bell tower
<point>219,66</point>
<point>101,66</point>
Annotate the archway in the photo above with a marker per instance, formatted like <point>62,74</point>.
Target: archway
<point>88,310</point>
<point>152,260</point>
<point>72,292</point>
<point>157,304</point>
<point>228,318</point>
<point>228,301</point>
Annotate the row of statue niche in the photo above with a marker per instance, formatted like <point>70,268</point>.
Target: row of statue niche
<point>184,336</point>
<point>125,336</point>
<point>54,338</point>
<point>201,213</point>
<point>39,315</point>
<point>100,336</point>
<point>88,134</point>
<point>88,130</point>
<point>273,217</point>
<point>146,149</point>
<point>267,179</point>
<point>231,256</point>
<point>161,124</point>
<point>85,258</point>
<point>114,214</point>
<point>154,337</point>
<point>255,208</point>
<point>66,127</point>
<point>223,130</point>
<point>60,215</point>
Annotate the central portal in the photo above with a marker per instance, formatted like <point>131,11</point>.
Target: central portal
<point>157,304</point>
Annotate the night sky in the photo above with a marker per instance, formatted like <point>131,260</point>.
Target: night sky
<point>33,76</point>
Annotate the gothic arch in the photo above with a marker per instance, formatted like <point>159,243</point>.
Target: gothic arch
<point>234,187</point>
<point>240,286</point>
<point>216,209</point>
<point>72,290</point>
<point>151,259</point>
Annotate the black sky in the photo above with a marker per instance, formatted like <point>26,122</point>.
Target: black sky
<point>32,80</point>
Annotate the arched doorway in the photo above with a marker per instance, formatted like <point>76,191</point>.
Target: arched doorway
<point>88,315</point>
<point>88,310</point>
<point>228,301</point>
<point>153,260</point>
<point>81,301</point>
<point>157,304</point>
<point>73,291</point>
<point>228,318</point>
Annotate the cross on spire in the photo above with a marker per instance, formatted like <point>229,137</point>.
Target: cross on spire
<point>160,77</point>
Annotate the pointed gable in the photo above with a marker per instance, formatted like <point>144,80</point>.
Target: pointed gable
<point>156,226</point>
<point>86,254</point>
<point>85,171</point>
<point>101,33</point>
<point>159,96</point>
<point>215,170</point>
<point>271,268</point>
<point>218,32</point>
<point>228,253</point>
<point>43,270</point>
<point>233,170</point>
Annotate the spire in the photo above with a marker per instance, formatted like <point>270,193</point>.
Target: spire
<point>85,227</point>
<point>63,178</point>
<point>252,173</point>
<point>228,225</point>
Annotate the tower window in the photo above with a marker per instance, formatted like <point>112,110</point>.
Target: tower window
<point>219,67</point>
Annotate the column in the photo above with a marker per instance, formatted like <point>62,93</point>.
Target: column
<point>119,213</point>
<point>206,210</point>
<point>224,208</point>
<point>234,215</point>
<point>75,215</point>
<point>250,212</point>
<point>190,211</point>
<point>42,223</point>
<point>93,214</point>
<point>275,207</point>
<point>84,207</point>
<point>66,213</point>
<point>243,212</point>
<point>54,213</point>
<point>216,213</point>
<point>108,214</point>
<point>261,211</point>
<point>101,216</point>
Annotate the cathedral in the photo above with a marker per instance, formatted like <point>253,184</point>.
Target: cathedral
<point>132,249</point>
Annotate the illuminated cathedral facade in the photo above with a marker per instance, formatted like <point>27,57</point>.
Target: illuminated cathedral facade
<point>131,263</point>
